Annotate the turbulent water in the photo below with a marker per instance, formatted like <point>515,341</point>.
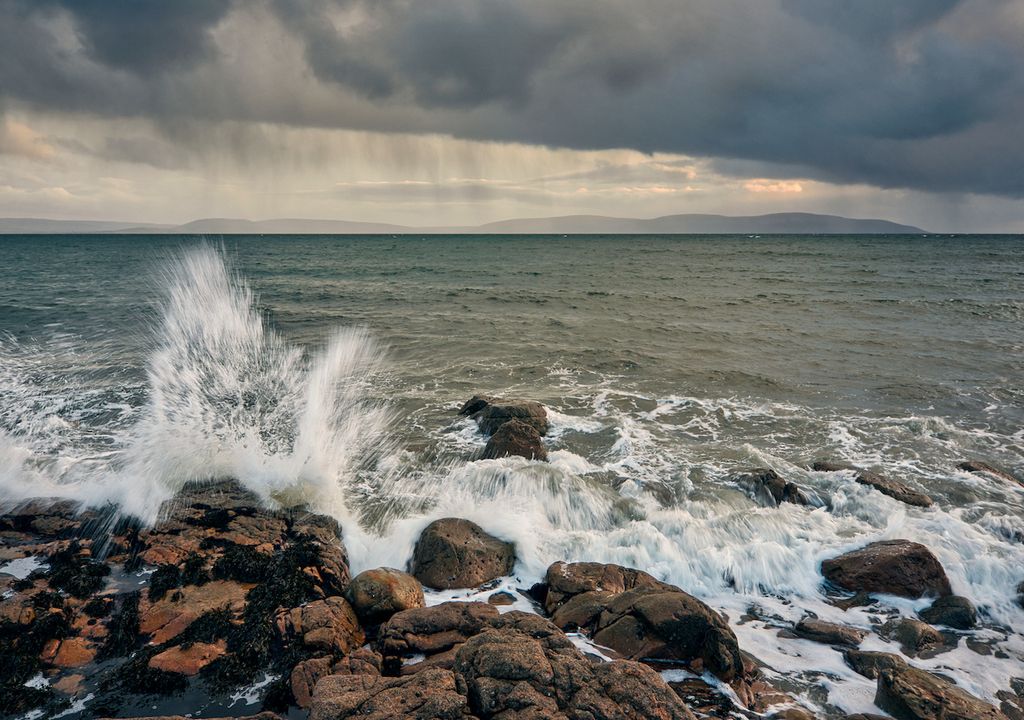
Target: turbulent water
<point>327,370</point>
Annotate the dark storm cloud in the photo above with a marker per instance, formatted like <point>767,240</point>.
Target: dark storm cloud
<point>927,94</point>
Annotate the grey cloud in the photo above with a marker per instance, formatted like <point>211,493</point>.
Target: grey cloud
<point>893,94</point>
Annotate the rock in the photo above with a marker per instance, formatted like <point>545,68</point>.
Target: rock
<point>952,611</point>
<point>431,630</point>
<point>652,623</point>
<point>894,489</point>
<point>69,653</point>
<point>524,667</point>
<point>911,694</point>
<point>329,625</point>
<point>502,598</point>
<point>165,619</point>
<point>896,567</point>
<point>378,594</point>
<point>491,413</point>
<point>869,664</point>
<point>515,438</point>
<point>770,486</point>
<point>915,637</point>
<point>829,633</point>
<point>304,678</point>
<point>564,581</point>
<point>791,713</point>
<point>978,466</point>
<point>457,553</point>
<point>831,466</point>
<point>188,660</point>
<point>431,694</point>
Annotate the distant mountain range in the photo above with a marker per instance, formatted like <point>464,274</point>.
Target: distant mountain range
<point>781,223</point>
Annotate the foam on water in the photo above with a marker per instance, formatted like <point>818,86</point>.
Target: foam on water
<point>637,479</point>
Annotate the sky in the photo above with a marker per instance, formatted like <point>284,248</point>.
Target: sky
<point>445,112</point>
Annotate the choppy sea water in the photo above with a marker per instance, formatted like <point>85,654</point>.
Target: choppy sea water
<point>327,370</point>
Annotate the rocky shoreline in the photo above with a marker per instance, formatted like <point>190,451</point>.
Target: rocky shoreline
<point>225,600</point>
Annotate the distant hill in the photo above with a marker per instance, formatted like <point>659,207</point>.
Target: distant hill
<point>781,223</point>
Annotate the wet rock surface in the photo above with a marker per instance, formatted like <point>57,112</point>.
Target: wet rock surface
<point>491,413</point>
<point>982,467</point>
<point>911,694</point>
<point>515,438</point>
<point>896,567</point>
<point>457,553</point>
<point>828,633</point>
<point>772,489</point>
<point>952,611</point>
<point>885,485</point>
<point>377,594</point>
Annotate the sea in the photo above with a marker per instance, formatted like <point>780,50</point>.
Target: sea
<point>328,370</point>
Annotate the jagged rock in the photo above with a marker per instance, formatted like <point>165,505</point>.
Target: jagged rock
<point>329,625</point>
<point>894,489</point>
<point>915,637</point>
<point>952,611</point>
<point>304,678</point>
<point>772,488</point>
<point>457,553</point>
<point>869,664</point>
<point>378,594</point>
<point>431,630</point>
<point>648,621</point>
<point>896,567</point>
<point>563,581</point>
<point>431,694</point>
<point>911,694</point>
<point>515,437</point>
<point>828,633</point>
<point>978,466</point>
<point>188,660</point>
<point>491,413</point>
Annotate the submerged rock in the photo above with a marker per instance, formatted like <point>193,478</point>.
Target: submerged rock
<point>896,567</point>
<point>952,611</point>
<point>491,413</point>
<point>457,553</point>
<point>915,637</point>
<point>378,594</point>
<point>767,484</point>
<point>979,466</point>
<point>911,694</point>
<point>887,486</point>
<point>515,438</point>
<point>648,621</point>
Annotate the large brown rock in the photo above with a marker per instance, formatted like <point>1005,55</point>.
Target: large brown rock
<point>515,438</point>
<point>870,664</point>
<point>329,625</point>
<point>429,695</point>
<point>491,413</point>
<point>431,630</point>
<point>457,553</point>
<point>896,567</point>
<point>915,637</point>
<point>952,611</point>
<point>188,660</point>
<point>911,694</point>
<point>378,594</point>
<point>524,667</point>
<point>564,581</point>
<point>829,633</point>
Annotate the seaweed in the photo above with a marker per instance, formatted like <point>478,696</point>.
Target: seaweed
<point>193,571</point>
<point>242,564</point>
<point>166,577</point>
<point>21,646</point>
<point>76,573</point>
<point>123,628</point>
<point>98,607</point>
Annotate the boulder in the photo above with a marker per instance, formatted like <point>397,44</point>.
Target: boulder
<point>329,625</point>
<point>457,553</point>
<point>431,630</point>
<point>655,623</point>
<point>305,675</point>
<point>491,413</point>
<point>895,567</point>
<point>952,611</point>
<point>430,694</point>
<point>515,438</point>
<point>378,594</point>
<point>524,667</point>
<point>869,664</point>
<point>828,633</point>
<point>915,637</point>
<point>188,660</point>
<point>911,694</point>
<point>564,581</point>
<point>894,489</point>
<point>770,487</point>
<point>978,466</point>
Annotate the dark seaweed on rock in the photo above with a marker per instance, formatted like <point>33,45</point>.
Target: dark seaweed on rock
<point>123,629</point>
<point>77,574</point>
<point>20,648</point>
